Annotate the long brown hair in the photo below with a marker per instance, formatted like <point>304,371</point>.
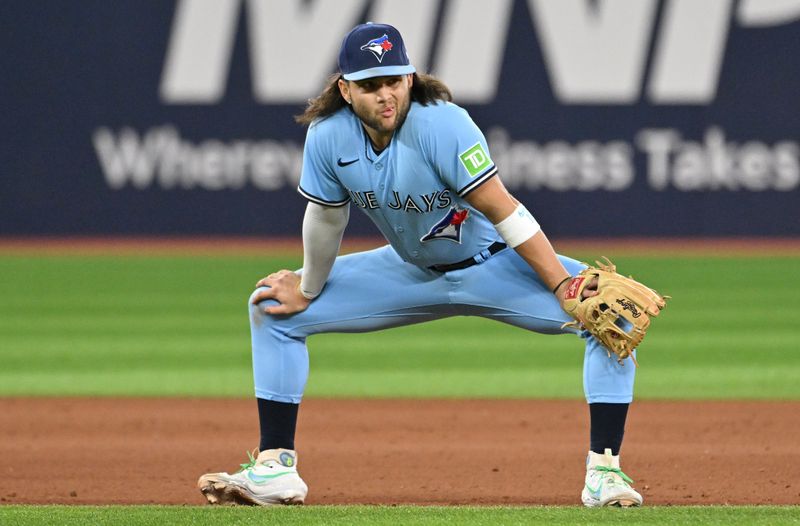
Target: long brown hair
<point>426,89</point>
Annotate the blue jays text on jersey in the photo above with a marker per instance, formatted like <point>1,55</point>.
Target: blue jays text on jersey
<point>414,192</point>
<point>415,189</point>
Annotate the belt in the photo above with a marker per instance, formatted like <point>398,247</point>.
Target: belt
<point>493,249</point>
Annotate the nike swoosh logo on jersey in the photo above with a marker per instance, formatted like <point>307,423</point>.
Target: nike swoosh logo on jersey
<point>261,479</point>
<point>342,163</point>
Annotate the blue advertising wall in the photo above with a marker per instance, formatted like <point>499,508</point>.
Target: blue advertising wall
<point>615,117</point>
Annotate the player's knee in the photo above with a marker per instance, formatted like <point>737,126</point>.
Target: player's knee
<point>253,295</point>
<point>257,315</point>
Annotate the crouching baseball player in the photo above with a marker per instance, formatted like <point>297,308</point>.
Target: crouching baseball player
<point>387,140</point>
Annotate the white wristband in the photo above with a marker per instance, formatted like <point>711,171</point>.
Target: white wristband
<point>517,228</point>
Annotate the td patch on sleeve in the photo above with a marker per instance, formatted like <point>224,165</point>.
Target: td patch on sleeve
<point>475,159</point>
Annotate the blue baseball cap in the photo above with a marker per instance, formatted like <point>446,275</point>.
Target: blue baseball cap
<point>373,50</point>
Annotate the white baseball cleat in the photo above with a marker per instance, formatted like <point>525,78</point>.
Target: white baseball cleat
<point>606,484</point>
<point>269,479</point>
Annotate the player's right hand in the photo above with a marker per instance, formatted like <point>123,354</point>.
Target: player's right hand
<point>284,287</point>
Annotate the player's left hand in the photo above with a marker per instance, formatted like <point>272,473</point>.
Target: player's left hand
<point>284,287</point>
<point>618,312</point>
<point>588,291</point>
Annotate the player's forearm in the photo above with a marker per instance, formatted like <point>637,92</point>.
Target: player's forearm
<point>519,230</point>
<point>323,228</point>
<point>539,254</point>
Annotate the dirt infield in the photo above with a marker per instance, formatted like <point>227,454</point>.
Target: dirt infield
<point>140,451</point>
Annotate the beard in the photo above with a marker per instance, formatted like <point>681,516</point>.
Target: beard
<point>377,124</point>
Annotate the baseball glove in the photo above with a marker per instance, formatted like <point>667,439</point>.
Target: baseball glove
<point>618,315</point>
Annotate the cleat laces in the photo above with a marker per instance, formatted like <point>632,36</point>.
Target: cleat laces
<point>617,471</point>
<point>249,464</point>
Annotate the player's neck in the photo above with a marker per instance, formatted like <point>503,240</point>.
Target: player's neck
<point>375,149</point>
<point>379,141</point>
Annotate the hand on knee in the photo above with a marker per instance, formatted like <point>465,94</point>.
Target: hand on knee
<point>284,288</point>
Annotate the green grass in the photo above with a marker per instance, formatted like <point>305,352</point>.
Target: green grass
<point>371,515</point>
<point>175,326</point>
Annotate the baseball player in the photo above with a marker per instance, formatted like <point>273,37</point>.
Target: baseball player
<point>387,140</point>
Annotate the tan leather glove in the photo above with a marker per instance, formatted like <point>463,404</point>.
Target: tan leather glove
<point>619,314</point>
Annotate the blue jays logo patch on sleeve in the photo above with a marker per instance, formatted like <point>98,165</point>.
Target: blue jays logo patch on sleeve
<point>449,227</point>
<point>378,46</point>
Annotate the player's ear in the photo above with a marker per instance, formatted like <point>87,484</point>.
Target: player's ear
<point>410,80</point>
<point>344,90</point>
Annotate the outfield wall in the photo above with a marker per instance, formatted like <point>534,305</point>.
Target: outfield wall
<point>620,118</point>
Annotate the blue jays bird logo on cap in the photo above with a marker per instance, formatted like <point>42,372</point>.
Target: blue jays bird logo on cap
<point>362,44</point>
<point>449,227</point>
<point>378,46</point>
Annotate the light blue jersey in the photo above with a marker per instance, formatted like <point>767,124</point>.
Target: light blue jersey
<point>414,189</point>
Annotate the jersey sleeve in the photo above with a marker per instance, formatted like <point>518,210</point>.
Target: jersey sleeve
<point>318,182</point>
<point>459,151</point>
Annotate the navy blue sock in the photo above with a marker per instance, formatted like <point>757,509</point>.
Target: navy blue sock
<point>278,422</point>
<point>607,427</point>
